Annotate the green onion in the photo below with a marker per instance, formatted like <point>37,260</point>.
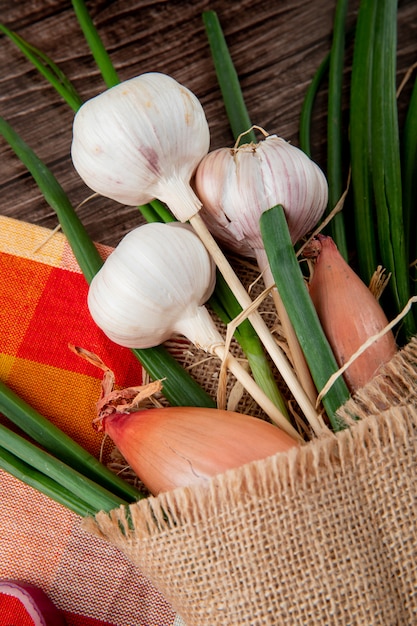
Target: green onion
<point>308,105</point>
<point>96,46</point>
<point>334,127</point>
<point>360,124</point>
<point>385,154</point>
<point>409,172</point>
<point>100,499</point>
<point>44,484</point>
<point>61,445</point>
<point>161,212</point>
<point>292,289</point>
<point>228,79</point>
<point>47,68</point>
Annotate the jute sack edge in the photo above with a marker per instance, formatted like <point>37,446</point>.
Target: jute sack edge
<point>323,534</point>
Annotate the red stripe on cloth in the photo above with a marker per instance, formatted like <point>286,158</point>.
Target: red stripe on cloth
<point>62,317</point>
<point>21,285</point>
<point>13,613</point>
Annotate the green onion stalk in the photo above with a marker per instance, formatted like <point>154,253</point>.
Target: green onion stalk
<point>334,127</point>
<point>382,162</point>
<point>376,153</point>
<point>290,283</point>
<point>56,442</point>
<point>409,181</point>
<point>48,468</point>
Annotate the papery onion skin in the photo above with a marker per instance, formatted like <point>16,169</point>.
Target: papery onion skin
<point>179,446</point>
<point>349,314</point>
<point>237,185</point>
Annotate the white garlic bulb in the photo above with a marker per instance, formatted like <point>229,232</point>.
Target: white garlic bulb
<point>237,185</point>
<point>141,140</point>
<point>152,286</point>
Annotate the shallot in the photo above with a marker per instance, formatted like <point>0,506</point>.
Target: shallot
<point>178,446</point>
<point>349,313</point>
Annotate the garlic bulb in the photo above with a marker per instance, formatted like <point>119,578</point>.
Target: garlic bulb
<point>152,286</point>
<point>141,140</point>
<point>237,185</point>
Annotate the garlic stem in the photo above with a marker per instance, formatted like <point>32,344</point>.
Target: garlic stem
<point>179,197</point>
<point>297,356</point>
<point>200,329</point>
<point>255,391</point>
<point>258,323</point>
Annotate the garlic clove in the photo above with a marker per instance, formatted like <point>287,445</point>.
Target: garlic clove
<point>141,140</point>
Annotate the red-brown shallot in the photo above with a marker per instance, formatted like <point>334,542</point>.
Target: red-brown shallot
<point>178,446</point>
<point>349,313</point>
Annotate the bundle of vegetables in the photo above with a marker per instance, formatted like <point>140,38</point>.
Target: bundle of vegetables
<point>145,142</point>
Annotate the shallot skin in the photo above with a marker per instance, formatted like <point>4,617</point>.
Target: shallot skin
<point>180,446</point>
<point>349,314</point>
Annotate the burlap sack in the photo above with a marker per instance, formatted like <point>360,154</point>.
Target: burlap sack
<point>323,535</point>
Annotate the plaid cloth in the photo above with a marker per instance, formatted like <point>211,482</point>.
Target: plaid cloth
<point>42,310</point>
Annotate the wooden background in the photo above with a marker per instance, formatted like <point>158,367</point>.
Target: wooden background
<point>276,46</point>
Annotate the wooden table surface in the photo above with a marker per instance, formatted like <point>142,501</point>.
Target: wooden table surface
<point>276,46</point>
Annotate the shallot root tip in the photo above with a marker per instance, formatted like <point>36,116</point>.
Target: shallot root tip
<point>115,400</point>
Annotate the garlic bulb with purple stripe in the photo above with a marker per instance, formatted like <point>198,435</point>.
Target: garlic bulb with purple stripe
<point>141,140</point>
<point>237,185</point>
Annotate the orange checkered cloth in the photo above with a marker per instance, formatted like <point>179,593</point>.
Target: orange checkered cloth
<point>43,309</point>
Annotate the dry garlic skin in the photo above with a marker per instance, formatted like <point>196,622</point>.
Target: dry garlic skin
<point>237,185</point>
<point>131,140</point>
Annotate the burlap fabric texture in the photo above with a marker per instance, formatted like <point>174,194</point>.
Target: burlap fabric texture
<point>323,535</point>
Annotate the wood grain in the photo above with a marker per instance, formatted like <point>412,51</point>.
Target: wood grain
<point>276,46</point>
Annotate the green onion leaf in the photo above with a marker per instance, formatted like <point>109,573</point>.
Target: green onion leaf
<point>360,124</point>
<point>409,173</point>
<point>294,294</point>
<point>52,439</point>
<point>95,43</point>
<point>334,127</point>
<point>386,160</point>
<point>308,105</point>
<point>44,484</point>
<point>47,68</point>
<point>228,79</point>
<point>87,490</point>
